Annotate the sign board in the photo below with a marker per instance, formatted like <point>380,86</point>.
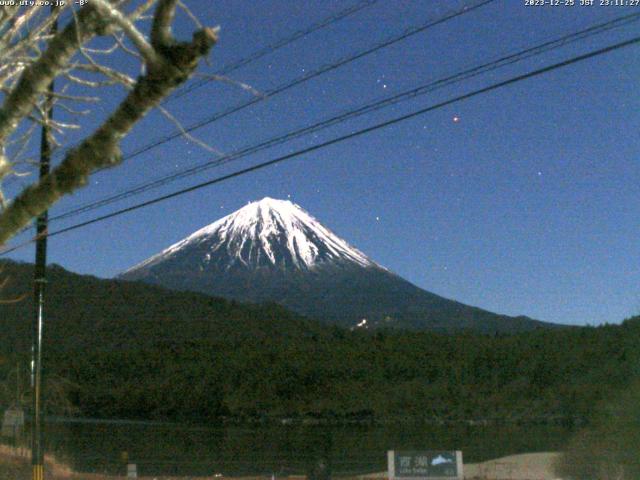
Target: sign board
<point>420,465</point>
<point>12,422</point>
<point>132,470</point>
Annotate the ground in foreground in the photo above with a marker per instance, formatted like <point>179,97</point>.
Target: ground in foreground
<point>14,465</point>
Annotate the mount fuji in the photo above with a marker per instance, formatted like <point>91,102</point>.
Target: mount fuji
<point>274,251</point>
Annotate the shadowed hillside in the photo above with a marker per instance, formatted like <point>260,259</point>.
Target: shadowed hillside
<point>138,351</point>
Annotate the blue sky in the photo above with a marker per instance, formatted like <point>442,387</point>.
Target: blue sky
<point>528,204</point>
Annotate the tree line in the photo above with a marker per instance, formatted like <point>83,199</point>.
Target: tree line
<point>129,350</point>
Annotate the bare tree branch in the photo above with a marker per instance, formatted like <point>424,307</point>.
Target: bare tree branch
<point>177,62</point>
<point>147,51</point>
<point>161,29</point>
<point>187,135</point>
<point>37,77</point>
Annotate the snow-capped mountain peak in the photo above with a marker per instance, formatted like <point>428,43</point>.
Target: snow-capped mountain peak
<point>268,233</point>
<point>274,251</point>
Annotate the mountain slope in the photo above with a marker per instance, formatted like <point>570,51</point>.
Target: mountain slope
<point>105,312</point>
<point>130,350</point>
<point>273,250</point>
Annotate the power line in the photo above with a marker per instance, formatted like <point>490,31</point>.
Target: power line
<point>302,79</point>
<point>388,42</point>
<point>226,70</point>
<point>305,78</point>
<point>377,105</point>
<point>343,138</point>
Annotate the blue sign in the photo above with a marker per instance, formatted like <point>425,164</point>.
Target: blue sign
<point>440,464</point>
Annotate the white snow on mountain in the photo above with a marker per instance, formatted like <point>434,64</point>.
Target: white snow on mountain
<point>269,231</point>
<point>439,460</point>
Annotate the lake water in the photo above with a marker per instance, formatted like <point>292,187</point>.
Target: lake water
<point>281,449</point>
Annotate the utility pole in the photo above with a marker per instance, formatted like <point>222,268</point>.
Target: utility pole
<point>40,280</point>
<point>18,385</point>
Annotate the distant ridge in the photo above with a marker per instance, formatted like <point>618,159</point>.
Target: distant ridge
<point>274,251</point>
